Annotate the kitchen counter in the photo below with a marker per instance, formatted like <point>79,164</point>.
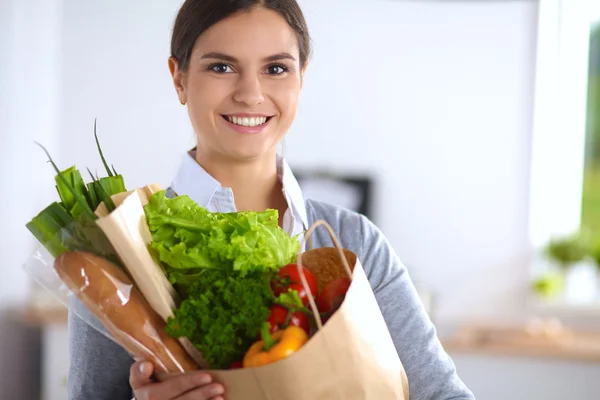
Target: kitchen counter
<point>550,340</point>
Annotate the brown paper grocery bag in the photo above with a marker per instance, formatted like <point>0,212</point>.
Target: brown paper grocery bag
<point>351,357</point>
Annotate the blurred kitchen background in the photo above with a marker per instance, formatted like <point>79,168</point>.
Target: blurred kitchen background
<point>465,129</point>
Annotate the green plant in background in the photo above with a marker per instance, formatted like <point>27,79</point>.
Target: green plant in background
<point>565,252</point>
<point>590,205</point>
<point>569,250</point>
<point>548,285</point>
<point>595,253</point>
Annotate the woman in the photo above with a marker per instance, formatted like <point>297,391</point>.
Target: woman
<point>238,66</point>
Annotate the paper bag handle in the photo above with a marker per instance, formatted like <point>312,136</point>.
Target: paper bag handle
<point>338,246</point>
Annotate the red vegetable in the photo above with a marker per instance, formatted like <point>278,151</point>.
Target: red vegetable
<point>236,365</point>
<point>332,295</point>
<point>288,279</point>
<point>278,320</point>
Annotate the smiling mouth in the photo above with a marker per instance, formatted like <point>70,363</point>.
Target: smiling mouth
<point>247,121</point>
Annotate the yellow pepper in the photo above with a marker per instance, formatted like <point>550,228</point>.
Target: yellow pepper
<point>275,347</point>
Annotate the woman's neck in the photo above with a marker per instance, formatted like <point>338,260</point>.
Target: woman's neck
<point>255,184</point>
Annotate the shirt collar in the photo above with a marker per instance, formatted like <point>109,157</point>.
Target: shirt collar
<point>193,180</point>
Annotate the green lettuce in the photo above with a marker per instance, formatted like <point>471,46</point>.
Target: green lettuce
<point>189,239</point>
<point>222,314</point>
<point>222,265</point>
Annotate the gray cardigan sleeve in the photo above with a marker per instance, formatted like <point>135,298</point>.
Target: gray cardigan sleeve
<point>99,368</point>
<point>431,372</point>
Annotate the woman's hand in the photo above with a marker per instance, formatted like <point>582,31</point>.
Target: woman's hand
<point>190,386</point>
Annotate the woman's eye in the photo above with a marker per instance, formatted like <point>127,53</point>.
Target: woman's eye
<point>220,68</point>
<point>276,69</point>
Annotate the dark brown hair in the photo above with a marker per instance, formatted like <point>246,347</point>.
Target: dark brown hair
<point>196,16</point>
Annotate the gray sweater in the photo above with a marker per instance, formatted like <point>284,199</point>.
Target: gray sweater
<point>99,368</point>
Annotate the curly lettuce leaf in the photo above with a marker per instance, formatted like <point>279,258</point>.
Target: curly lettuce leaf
<point>188,238</point>
<point>222,315</point>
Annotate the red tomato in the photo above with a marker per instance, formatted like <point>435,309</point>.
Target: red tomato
<point>279,315</point>
<point>332,295</point>
<point>236,365</point>
<point>288,279</point>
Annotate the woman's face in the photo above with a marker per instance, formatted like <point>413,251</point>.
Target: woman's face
<point>242,85</point>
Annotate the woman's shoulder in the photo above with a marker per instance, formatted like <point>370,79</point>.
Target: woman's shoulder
<point>334,215</point>
<point>354,230</point>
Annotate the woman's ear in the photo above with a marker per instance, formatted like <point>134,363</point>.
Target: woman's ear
<point>178,79</point>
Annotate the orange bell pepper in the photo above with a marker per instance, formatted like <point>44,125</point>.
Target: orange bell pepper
<point>275,347</point>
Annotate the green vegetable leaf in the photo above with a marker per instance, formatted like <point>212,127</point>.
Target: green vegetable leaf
<point>268,340</point>
<point>290,298</point>
<point>108,171</point>
<point>222,314</point>
<point>71,224</point>
<point>52,227</point>
<point>66,188</point>
<point>187,236</point>
<point>74,182</point>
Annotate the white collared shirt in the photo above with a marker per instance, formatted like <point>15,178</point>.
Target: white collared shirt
<point>193,180</point>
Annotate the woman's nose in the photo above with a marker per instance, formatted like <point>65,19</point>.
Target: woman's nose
<point>249,91</point>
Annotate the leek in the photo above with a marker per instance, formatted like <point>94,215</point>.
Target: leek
<point>108,171</point>
<point>52,228</point>
<point>71,224</point>
<point>71,191</point>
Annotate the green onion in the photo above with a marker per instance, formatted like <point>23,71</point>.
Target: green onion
<point>105,188</point>
<point>108,171</point>
<point>71,224</point>
<point>66,186</point>
<point>52,228</point>
<point>73,177</point>
<point>93,198</point>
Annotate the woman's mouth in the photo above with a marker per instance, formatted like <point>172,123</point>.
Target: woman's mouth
<point>246,121</point>
<point>245,124</point>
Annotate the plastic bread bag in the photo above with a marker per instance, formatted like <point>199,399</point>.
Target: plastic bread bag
<point>95,259</point>
<point>102,294</point>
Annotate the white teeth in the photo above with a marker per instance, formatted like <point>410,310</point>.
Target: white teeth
<point>254,121</point>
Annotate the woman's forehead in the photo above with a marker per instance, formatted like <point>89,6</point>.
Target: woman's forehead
<point>257,33</point>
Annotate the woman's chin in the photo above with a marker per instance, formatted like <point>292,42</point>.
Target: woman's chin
<point>248,154</point>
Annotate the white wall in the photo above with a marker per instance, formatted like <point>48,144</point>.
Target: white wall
<point>435,98</point>
<point>29,45</point>
<point>120,76</point>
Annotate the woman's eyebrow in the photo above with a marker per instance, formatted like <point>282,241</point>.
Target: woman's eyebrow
<point>226,57</point>
<point>219,56</point>
<point>280,56</point>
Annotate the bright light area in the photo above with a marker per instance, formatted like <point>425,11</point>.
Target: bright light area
<point>559,120</point>
<point>595,8</point>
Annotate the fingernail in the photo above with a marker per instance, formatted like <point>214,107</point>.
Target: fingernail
<point>144,368</point>
<point>204,379</point>
<point>216,390</point>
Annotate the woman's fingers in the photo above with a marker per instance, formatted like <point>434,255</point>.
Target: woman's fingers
<point>140,374</point>
<point>208,392</point>
<point>196,385</point>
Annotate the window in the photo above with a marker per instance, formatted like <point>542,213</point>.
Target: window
<point>590,205</point>
<point>565,169</point>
